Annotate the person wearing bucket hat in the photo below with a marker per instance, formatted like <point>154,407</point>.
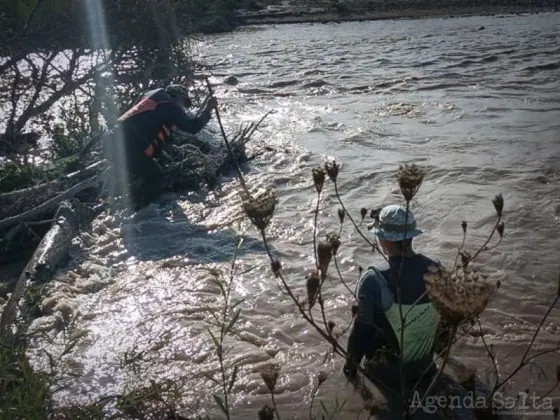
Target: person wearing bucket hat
<point>145,129</point>
<point>377,327</point>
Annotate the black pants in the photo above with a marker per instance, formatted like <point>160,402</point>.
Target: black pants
<point>133,170</point>
<point>147,182</point>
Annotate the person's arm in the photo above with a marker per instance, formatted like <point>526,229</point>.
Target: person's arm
<point>358,345</point>
<point>363,331</point>
<point>193,125</point>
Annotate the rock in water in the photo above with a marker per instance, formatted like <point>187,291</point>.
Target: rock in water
<point>231,80</point>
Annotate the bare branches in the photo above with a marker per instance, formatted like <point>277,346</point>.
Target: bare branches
<point>526,359</point>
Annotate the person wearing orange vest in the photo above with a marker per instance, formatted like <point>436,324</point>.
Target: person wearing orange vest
<point>145,130</point>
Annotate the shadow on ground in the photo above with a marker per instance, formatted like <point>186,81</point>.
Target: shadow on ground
<point>153,234</point>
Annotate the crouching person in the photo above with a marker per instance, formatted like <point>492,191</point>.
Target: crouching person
<point>141,134</point>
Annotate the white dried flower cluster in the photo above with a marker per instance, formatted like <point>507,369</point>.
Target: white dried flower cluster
<point>459,295</point>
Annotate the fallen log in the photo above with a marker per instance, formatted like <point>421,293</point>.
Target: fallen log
<point>52,252</point>
<point>49,204</point>
<point>19,201</point>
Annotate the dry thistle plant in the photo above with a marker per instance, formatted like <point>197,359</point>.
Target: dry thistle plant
<point>410,179</point>
<point>460,295</point>
<point>269,374</point>
<point>260,207</point>
<point>313,284</point>
<point>266,413</point>
<point>324,255</point>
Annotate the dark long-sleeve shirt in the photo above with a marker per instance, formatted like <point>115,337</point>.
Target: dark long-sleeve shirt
<point>150,122</point>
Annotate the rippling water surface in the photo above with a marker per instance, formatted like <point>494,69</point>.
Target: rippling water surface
<point>474,100</point>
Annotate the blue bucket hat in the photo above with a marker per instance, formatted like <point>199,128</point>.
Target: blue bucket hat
<point>390,225</point>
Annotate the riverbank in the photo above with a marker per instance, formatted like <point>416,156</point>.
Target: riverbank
<point>279,16</point>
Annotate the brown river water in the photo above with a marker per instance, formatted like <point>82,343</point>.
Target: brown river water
<point>473,100</point>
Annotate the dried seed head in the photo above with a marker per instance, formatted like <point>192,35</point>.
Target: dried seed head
<point>457,296</point>
<point>341,215</point>
<point>498,202</point>
<point>363,212</point>
<point>355,309</point>
<point>374,214</point>
<point>318,178</point>
<point>334,240</point>
<point>269,374</point>
<point>330,326</point>
<point>260,208</point>
<point>266,413</point>
<point>324,254</point>
<point>276,267</point>
<point>500,229</point>
<point>322,378</point>
<point>313,283</point>
<point>332,167</point>
<point>410,178</point>
<point>360,269</point>
<point>558,373</point>
<point>464,226</point>
<point>498,284</point>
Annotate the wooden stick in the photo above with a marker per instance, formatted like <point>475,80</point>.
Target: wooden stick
<point>240,175</point>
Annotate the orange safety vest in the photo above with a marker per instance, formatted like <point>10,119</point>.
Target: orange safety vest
<point>146,105</point>
<point>162,137</point>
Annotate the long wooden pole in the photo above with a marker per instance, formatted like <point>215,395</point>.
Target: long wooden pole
<point>239,174</point>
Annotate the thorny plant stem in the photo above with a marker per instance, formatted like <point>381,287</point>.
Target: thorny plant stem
<point>341,278</point>
<point>400,303</point>
<point>440,371</point>
<point>373,246</point>
<point>490,354</point>
<point>415,303</point>
<point>460,248</point>
<point>274,405</point>
<point>336,347</point>
<point>483,247</point>
<point>315,230</point>
<point>315,390</point>
<point>542,353</point>
<point>322,306</point>
<point>223,332</point>
<point>321,302</point>
<point>548,392</point>
<point>525,359</point>
<point>224,379</point>
<point>496,245</point>
<point>455,339</point>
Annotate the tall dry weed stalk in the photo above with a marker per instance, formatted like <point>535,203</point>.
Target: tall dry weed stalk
<point>460,294</point>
